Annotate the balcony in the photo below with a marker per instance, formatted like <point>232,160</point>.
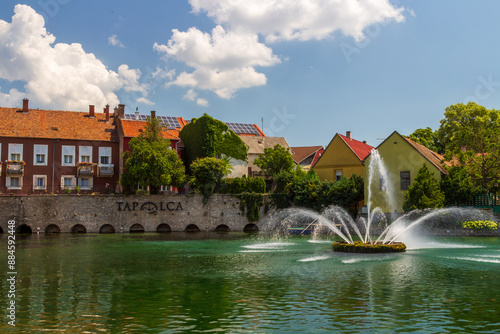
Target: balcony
<point>105,170</point>
<point>85,169</point>
<point>15,168</point>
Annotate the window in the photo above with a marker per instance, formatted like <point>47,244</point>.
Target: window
<point>85,183</point>
<point>16,152</point>
<point>40,155</point>
<point>338,174</point>
<point>68,154</point>
<point>14,182</point>
<point>405,180</point>
<point>105,155</point>
<point>39,182</point>
<point>85,153</point>
<point>383,182</point>
<point>68,181</point>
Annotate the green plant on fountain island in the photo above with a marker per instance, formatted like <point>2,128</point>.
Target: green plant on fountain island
<point>361,247</point>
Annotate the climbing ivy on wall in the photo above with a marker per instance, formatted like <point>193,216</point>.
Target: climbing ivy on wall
<point>209,137</point>
<point>251,203</point>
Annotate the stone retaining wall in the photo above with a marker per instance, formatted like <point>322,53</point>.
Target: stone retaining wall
<point>64,212</point>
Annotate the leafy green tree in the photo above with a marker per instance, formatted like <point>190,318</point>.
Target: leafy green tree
<point>209,137</point>
<point>207,174</point>
<point>424,192</point>
<point>458,187</point>
<point>275,160</point>
<point>151,162</point>
<point>470,133</point>
<point>428,138</point>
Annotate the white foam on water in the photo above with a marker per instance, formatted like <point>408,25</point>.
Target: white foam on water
<point>474,259</point>
<point>424,245</point>
<point>269,246</point>
<point>315,258</point>
<point>263,250</point>
<point>320,241</point>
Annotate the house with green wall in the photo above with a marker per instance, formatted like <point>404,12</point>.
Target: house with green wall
<point>343,156</point>
<point>402,158</point>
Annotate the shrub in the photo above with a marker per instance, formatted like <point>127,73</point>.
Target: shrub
<point>480,224</point>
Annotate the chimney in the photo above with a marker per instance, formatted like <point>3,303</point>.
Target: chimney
<point>137,115</point>
<point>91,111</point>
<point>25,105</point>
<point>153,113</point>
<point>364,141</point>
<point>106,112</point>
<point>348,134</point>
<point>121,110</point>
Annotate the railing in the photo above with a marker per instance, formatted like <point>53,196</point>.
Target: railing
<point>85,169</point>
<point>105,170</point>
<point>15,168</point>
<point>257,174</point>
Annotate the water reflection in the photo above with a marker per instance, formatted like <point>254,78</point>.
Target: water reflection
<point>206,282</point>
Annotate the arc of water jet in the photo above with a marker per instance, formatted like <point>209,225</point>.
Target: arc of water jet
<point>418,221</point>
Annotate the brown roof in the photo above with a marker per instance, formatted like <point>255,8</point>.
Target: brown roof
<point>430,155</point>
<point>56,124</point>
<point>303,152</point>
<point>131,128</point>
<point>256,145</point>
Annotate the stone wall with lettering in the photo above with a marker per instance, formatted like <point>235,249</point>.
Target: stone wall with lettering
<point>174,212</point>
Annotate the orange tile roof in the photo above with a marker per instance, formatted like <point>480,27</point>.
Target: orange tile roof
<point>131,128</point>
<point>303,152</point>
<point>433,157</point>
<point>359,148</point>
<point>56,124</point>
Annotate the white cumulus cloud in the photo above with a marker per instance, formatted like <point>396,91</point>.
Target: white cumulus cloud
<point>191,95</point>
<point>114,41</point>
<point>56,75</point>
<point>299,19</point>
<point>223,61</point>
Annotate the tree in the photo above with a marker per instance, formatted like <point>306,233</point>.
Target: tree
<point>428,138</point>
<point>207,174</point>
<point>151,162</point>
<point>424,192</point>
<point>471,134</point>
<point>275,160</point>
<point>458,187</point>
<point>209,137</point>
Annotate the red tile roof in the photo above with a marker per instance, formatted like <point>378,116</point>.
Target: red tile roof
<point>303,152</point>
<point>359,148</point>
<point>56,124</point>
<point>131,128</point>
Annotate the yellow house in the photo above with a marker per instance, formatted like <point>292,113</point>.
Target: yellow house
<point>343,156</point>
<point>402,158</point>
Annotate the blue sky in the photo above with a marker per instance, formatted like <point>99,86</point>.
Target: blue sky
<point>309,70</point>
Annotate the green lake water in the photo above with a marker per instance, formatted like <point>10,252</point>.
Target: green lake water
<point>240,283</point>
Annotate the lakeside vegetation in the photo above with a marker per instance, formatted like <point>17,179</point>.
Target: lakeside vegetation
<point>468,138</point>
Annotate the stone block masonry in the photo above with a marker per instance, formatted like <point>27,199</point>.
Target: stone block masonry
<point>68,213</point>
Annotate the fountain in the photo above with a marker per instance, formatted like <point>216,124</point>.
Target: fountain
<point>338,221</point>
<point>372,234</point>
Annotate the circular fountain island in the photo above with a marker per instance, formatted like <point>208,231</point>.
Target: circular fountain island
<point>361,247</point>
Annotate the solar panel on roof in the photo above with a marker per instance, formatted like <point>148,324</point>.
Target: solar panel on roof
<point>240,128</point>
